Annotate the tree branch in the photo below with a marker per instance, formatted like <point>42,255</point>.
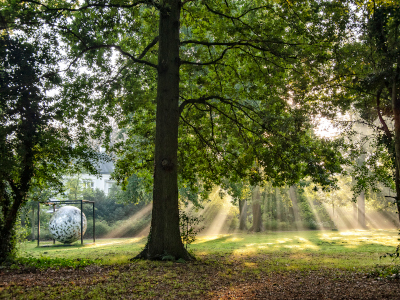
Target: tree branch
<point>119,49</point>
<point>232,17</point>
<point>148,47</point>
<point>213,148</point>
<point>136,3</point>
<point>240,43</point>
<point>378,110</point>
<point>185,62</point>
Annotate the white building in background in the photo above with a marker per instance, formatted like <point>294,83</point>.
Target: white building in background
<point>102,182</point>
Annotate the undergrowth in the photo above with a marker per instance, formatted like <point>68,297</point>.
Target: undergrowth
<point>45,262</point>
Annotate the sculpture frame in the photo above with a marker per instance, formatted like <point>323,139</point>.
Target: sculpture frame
<point>54,202</point>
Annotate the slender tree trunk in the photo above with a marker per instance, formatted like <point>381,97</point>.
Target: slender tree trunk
<point>256,208</point>
<point>295,205</point>
<point>355,222</point>
<point>33,222</point>
<point>164,237</point>
<point>397,183</point>
<point>243,214</point>
<point>361,209</point>
<point>361,198</point>
<point>396,117</point>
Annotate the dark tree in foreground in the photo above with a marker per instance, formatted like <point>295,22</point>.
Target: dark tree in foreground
<point>24,116</point>
<point>219,72</point>
<point>33,150</point>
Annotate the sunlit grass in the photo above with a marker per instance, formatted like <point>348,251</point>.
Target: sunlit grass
<point>285,250</point>
<point>222,260</point>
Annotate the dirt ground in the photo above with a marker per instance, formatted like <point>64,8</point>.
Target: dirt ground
<point>186,282</point>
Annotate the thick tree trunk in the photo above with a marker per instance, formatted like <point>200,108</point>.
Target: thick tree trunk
<point>242,214</point>
<point>7,238</point>
<point>164,237</point>
<point>257,220</point>
<point>7,245</point>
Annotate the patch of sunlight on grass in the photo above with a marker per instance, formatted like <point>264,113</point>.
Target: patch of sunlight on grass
<point>207,238</point>
<point>302,244</point>
<point>351,247</point>
<point>200,253</point>
<point>247,251</point>
<point>263,247</point>
<point>250,265</point>
<point>302,247</point>
<point>360,237</point>
<point>285,240</point>
<point>124,241</point>
<point>297,256</point>
<point>301,239</point>
<point>233,239</point>
<point>353,232</point>
<point>120,259</point>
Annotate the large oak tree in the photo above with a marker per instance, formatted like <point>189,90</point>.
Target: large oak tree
<point>207,83</point>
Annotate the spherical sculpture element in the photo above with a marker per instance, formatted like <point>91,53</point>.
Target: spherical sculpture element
<point>65,224</point>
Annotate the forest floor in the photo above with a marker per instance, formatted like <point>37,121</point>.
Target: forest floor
<point>210,278</point>
<point>312,265</point>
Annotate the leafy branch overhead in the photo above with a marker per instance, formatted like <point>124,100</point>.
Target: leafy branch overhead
<point>213,97</point>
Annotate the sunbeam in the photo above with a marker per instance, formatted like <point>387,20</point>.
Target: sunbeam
<point>126,226</point>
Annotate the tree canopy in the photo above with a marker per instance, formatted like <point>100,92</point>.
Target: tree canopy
<point>35,147</point>
<point>205,90</point>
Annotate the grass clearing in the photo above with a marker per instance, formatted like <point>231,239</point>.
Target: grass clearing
<point>297,250</point>
<point>226,265</point>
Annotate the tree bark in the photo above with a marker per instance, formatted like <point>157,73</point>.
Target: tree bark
<point>33,223</point>
<point>242,214</point>
<point>397,183</point>
<point>361,209</point>
<point>10,208</point>
<point>396,117</point>
<point>7,237</point>
<point>256,208</point>
<point>355,214</point>
<point>296,210</point>
<point>7,245</point>
<point>164,237</point>
<point>257,220</point>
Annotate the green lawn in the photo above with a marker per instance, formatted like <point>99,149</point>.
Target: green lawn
<point>227,266</point>
<point>283,250</point>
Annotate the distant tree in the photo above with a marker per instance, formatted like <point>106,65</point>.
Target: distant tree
<point>135,190</point>
<point>240,193</point>
<point>256,208</point>
<point>365,80</point>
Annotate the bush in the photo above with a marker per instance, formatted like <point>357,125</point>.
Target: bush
<point>102,228</point>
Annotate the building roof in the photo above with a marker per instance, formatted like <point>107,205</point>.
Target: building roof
<point>106,167</point>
